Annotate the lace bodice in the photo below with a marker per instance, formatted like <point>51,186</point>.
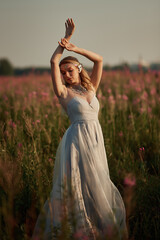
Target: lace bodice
<point>78,109</point>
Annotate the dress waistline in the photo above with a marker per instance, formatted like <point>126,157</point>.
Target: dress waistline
<point>84,120</point>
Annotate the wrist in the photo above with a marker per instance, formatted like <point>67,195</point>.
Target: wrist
<point>77,50</point>
<point>68,37</point>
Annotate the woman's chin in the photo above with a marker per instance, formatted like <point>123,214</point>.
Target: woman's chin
<point>72,82</point>
<point>69,81</point>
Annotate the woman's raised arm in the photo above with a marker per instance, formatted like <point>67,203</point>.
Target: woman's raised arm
<point>97,67</point>
<point>59,87</point>
<point>94,57</point>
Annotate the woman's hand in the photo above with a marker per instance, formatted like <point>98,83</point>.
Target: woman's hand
<point>67,45</point>
<point>70,28</point>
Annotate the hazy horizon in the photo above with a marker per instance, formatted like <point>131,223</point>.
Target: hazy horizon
<point>120,31</point>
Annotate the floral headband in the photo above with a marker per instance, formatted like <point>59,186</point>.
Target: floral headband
<point>78,65</point>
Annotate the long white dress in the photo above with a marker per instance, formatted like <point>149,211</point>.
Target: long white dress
<point>81,165</point>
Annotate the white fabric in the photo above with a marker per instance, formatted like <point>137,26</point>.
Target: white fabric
<point>81,163</point>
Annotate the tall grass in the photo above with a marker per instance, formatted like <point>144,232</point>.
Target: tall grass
<point>32,124</point>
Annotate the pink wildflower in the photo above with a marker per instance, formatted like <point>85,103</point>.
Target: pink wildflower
<point>45,94</point>
<point>55,99</point>
<point>136,101</point>
<point>142,110</point>
<point>111,99</point>
<point>130,180</point>
<point>19,145</point>
<point>145,95</point>
<point>5,98</point>
<point>138,89</point>
<point>153,91</point>
<point>12,124</point>
<point>141,149</point>
<point>103,98</point>
<point>30,95</point>
<point>132,83</point>
<point>125,97</point>
<point>57,105</point>
<point>148,79</point>
<point>99,96</point>
<point>50,159</point>
<point>38,121</point>
<point>109,90</point>
<point>80,234</point>
<point>120,133</point>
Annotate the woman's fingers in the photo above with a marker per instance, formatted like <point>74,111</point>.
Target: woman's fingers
<point>60,44</point>
<point>70,27</point>
<point>64,45</point>
<point>69,21</point>
<point>72,22</point>
<point>64,40</point>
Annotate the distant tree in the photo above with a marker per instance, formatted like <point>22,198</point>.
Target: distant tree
<point>155,66</point>
<point>121,66</point>
<point>106,67</point>
<point>6,67</point>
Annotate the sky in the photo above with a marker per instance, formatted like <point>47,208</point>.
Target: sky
<point>119,30</point>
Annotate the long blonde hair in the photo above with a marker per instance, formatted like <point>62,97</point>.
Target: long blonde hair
<point>85,79</point>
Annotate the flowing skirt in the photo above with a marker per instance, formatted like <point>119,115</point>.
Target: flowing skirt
<point>82,187</point>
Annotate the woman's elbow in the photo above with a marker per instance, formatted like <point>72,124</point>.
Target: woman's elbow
<point>52,61</point>
<point>100,58</point>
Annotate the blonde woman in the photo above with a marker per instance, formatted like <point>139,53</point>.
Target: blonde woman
<point>81,168</point>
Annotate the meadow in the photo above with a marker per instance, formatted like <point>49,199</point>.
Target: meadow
<point>32,124</point>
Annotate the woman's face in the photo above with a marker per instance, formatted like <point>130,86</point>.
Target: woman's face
<point>70,73</point>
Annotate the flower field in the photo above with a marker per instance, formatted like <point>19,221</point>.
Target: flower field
<point>32,124</point>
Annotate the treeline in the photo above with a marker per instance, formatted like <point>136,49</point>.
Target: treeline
<point>6,68</point>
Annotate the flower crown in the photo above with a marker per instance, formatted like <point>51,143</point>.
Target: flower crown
<point>79,65</point>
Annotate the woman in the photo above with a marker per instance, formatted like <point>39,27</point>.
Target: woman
<point>81,168</point>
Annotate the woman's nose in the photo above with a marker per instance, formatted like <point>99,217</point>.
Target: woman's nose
<point>67,74</point>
